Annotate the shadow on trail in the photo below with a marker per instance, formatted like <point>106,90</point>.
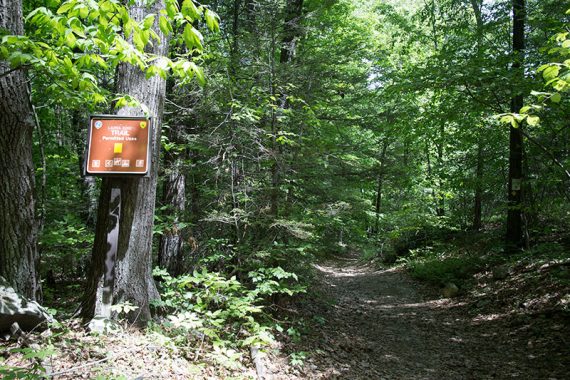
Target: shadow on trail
<point>378,324</point>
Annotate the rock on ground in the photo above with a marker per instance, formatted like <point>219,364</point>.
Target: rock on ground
<point>16,308</point>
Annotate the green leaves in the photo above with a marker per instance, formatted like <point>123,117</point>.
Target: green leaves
<point>91,36</point>
<point>165,25</point>
<point>218,306</point>
<point>550,72</point>
<point>532,120</point>
<point>172,8</point>
<point>510,119</point>
<point>190,10</point>
<point>192,38</point>
<point>212,20</point>
<point>148,21</point>
<point>66,7</point>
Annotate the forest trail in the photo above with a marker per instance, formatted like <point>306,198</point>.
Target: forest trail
<point>380,324</point>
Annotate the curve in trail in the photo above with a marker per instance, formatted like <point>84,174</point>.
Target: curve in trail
<point>382,326</point>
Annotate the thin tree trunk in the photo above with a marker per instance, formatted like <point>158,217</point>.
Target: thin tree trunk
<point>18,227</point>
<point>174,196</point>
<point>234,48</point>
<point>478,198</point>
<point>378,202</point>
<point>133,263</point>
<point>440,210</point>
<point>87,184</point>
<point>514,236</point>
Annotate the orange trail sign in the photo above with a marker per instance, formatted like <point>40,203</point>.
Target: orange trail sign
<point>118,145</point>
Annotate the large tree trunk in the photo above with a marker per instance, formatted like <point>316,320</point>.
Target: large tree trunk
<point>18,229</point>
<point>133,262</point>
<point>514,237</point>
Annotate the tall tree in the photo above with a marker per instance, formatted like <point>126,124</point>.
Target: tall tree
<point>478,196</point>
<point>174,199</point>
<point>18,230</point>
<point>291,32</point>
<point>514,236</point>
<point>133,262</point>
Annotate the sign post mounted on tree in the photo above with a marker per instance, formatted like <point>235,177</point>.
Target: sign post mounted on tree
<point>117,146</point>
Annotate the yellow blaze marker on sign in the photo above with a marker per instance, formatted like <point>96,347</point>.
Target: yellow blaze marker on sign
<point>118,148</point>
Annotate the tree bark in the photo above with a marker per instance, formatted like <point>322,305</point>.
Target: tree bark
<point>18,227</point>
<point>440,208</point>
<point>133,263</point>
<point>87,184</point>
<point>380,185</point>
<point>174,196</point>
<point>514,237</point>
<point>291,30</point>
<point>478,198</point>
<point>234,48</point>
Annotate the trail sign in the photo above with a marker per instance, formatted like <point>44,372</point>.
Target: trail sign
<point>118,145</point>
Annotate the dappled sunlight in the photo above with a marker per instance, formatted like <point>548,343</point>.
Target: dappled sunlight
<point>381,324</point>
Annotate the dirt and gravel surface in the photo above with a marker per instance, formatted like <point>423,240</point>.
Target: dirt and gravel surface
<point>380,324</point>
<point>361,322</point>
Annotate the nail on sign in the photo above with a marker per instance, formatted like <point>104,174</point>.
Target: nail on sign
<point>118,145</point>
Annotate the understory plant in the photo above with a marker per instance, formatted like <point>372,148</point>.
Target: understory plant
<point>211,306</point>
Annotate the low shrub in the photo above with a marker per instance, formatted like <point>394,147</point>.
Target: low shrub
<point>209,305</point>
<point>440,271</point>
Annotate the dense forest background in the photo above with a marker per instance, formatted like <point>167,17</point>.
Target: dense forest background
<point>299,130</point>
<point>380,124</point>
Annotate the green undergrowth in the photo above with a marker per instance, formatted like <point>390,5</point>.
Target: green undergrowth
<point>439,269</point>
<point>221,309</point>
<point>209,317</point>
<point>463,255</point>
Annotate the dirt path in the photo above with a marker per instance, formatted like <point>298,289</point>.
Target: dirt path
<point>379,324</point>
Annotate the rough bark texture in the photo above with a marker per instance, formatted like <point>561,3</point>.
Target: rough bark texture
<point>133,264</point>
<point>514,237</point>
<point>18,229</point>
<point>174,195</point>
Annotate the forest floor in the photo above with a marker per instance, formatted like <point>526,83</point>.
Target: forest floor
<point>370,323</point>
<point>357,321</point>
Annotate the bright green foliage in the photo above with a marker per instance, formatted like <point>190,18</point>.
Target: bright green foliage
<point>77,43</point>
<point>556,77</point>
<point>220,308</point>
